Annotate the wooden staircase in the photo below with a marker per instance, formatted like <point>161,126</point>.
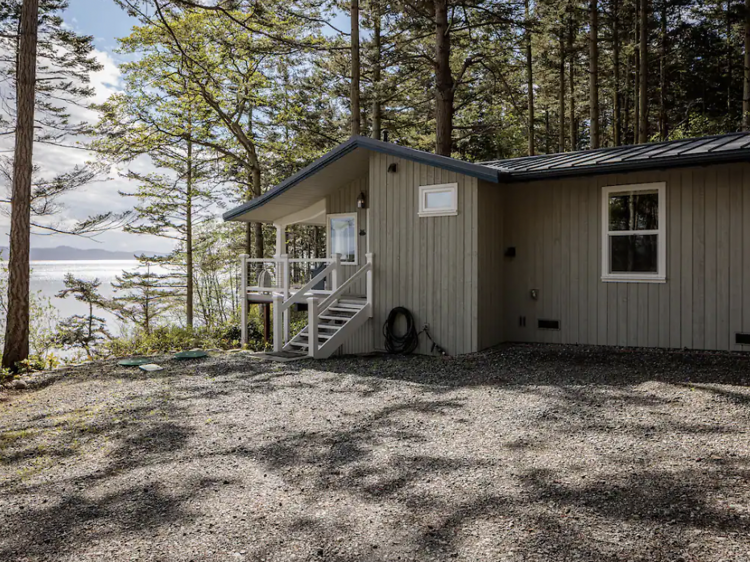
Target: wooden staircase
<point>335,325</point>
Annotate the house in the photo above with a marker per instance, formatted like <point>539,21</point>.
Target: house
<point>644,245</point>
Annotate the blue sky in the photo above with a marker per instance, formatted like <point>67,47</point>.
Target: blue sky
<point>100,18</point>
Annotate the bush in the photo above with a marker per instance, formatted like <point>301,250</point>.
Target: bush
<point>168,339</point>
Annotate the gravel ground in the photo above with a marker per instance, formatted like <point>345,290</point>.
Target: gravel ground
<point>521,453</point>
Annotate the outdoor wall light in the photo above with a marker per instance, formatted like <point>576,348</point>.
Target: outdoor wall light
<point>361,201</point>
<point>534,294</point>
<point>392,168</point>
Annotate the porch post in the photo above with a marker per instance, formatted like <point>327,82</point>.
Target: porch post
<point>243,300</point>
<point>280,239</point>
<point>277,321</point>
<point>312,327</point>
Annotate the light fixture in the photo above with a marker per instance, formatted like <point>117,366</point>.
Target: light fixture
<point>392,168</point>
<point>361,201</point>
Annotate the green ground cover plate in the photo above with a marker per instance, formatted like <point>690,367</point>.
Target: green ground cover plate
<point>194,354</point>
<point>134,361</point>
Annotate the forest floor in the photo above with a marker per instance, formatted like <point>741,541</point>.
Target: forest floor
<point>533,453</point>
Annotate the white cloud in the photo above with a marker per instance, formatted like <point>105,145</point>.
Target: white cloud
<point>98,197</point>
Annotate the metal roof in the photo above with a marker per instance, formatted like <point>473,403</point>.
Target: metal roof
<point>339,164</point>
<point>732,147</point>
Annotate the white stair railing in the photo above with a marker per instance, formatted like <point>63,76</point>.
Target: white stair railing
<point>315,308</point>
<point>282,303</point>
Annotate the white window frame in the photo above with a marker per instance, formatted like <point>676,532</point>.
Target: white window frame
<point>356,235</point>
<point>661,235</point>
<point>424,190</point>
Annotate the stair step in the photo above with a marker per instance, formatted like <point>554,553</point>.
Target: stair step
<point>340,309</point>
<point>331,317</point>
<point>330,326</point>
<point>350,305</point>
<point>305,335</point>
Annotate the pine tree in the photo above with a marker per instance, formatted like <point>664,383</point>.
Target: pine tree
<point>142,297</point>
<point>79,331</point>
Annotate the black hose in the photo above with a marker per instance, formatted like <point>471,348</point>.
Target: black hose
<point>403,344</point>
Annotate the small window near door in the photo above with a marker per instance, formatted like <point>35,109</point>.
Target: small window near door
<point>342,237</point>
<point>438,200</point>
<point>634,245</point>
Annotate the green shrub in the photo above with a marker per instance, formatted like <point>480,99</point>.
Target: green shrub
<point>168,339</point>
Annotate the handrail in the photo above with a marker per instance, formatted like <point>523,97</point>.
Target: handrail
<point>299,295</point>
<point>329,300</point>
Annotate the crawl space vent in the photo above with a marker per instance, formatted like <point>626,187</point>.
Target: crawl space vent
<point>548,324</point>
<point>743,339</point>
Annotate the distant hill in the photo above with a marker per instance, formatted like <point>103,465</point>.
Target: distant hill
<point>66,253</point>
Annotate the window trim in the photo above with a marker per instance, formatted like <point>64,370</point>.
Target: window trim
<point>356,232</point>
<point>443,211</point>
<point>661,235</point>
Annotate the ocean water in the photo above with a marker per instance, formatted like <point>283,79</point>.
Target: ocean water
<point>47,281</point>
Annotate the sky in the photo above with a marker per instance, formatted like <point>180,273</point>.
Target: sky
<point>105,21</point>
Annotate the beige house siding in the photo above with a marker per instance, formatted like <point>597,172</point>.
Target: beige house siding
<point>556,227</point>
<point>491,244</point>
<point>428,265</point>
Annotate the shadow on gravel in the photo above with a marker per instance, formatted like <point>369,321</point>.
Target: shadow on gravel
<point>49,531</point>
<point>548,364</point>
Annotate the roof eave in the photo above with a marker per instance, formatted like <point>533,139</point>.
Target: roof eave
<point>475,170</point>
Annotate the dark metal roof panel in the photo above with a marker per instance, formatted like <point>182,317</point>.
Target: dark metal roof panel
<point>733,147</point>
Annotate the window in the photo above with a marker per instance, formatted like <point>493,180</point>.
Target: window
<point>634,245</point>
<point>438,200</point>
<point>342,237</point>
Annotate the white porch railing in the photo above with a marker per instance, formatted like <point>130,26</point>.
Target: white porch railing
<point>278,279</point>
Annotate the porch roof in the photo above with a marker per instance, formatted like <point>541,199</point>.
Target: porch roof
<point>346,162</point>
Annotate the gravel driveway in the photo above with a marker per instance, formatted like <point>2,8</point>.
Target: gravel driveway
<point>521,453</point>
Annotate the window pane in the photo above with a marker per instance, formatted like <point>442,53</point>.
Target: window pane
<point>633,253</point>
<point>343,237</point>
<point>438,200</point>
<point>634,211</point>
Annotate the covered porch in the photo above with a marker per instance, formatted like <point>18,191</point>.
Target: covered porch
<point>336,288</point>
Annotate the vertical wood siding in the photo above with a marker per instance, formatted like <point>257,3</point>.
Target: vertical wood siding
<point>428,265</point>
<point>491,246</point>
<point>557,231</point>
<point>345,201</point>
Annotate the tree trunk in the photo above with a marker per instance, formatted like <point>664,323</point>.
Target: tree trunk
<point>376,114</point>
<point>561,95</point>
<point>594,72</point>
<point>746,83</point>
<point>616,94</point>
<point>643,83</point>
<point>729,56</point>
<point>636,95</point>
<point>258,227</point>
<point>17,326</point>
<point>529,81</point>
<point>355,68</point>
<point>546,132</point>
<point>189,234</point>
<point>572,86</point>
<point>443,81</point>
<point>663,127</point>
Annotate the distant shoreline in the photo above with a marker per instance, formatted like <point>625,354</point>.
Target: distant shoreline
<point>68,253</point>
